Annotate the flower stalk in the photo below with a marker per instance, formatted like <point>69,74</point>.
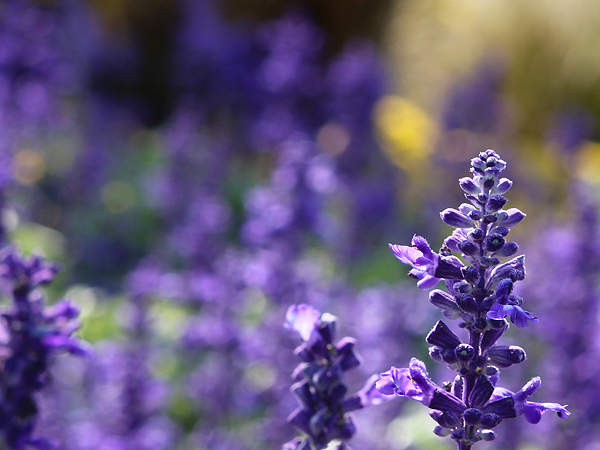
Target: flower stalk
<point>480,294</point>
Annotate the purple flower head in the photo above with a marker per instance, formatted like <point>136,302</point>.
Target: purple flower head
<point>33,333</point>
<point>421,258</point>
<point>481,295</point>
<point>324,412</point>
<point>531,410</point>
<point>29,272</point>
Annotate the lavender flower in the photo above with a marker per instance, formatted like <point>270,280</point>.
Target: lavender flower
<point>324,411</point>
<point>481,294</point>
<point>34,333</point>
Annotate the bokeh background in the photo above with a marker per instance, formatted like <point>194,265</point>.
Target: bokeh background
<point>198,166</point>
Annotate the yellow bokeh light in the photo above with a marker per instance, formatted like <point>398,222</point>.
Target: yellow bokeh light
<point>406,129</point>
<point>588,163</point>
<point>29,166</point>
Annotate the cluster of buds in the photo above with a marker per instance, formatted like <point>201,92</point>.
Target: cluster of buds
<point>480,294</point>
<point>324,408</point>
<point>34,332</point>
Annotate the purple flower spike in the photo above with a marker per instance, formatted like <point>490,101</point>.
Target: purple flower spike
<point>421,258</point>
<point>303,319</point>
<point>324,412</point>
<point>480,293</point>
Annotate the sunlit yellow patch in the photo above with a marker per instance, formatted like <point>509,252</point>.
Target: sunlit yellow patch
<point>118,196</point>
<point>406,129</point>
<point>29,166</point>
<point>588,163</point>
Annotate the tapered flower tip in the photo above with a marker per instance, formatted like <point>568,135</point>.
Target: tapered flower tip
<point>302,318</point>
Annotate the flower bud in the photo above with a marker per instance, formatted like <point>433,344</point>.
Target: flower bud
<point>458,434</point>
<point>495,203</point>
<point>506,355</point>
<point>503,186</point>
<point>471,274</point>
<point>478,164</point>
<point>489,420</point>
<point>510,217</point>
<point>464,352</point>
<point>446,419</point>
<point>441,431</point>
<point>468,248</point>
<point>480,324</point>
<point>435,353</point>
<point>467,303</point>
<point>442,336</point>
<point>500,230</point>
<point>476,234</point>
<point>465,208</point>
<point>468,185</point>
<point>449,357</point>
<point>443,300</point>
<point>472,416</point>
<point>455,218</point>
<point>508,249</point>
<point>475,214</point>
<point>489,181</point>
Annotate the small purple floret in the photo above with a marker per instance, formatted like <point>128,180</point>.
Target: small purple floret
<point>421,258</point>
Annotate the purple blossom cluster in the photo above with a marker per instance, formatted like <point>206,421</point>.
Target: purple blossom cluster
<point>32,334</point>
<point>324,411</point>
<point>480,294</point>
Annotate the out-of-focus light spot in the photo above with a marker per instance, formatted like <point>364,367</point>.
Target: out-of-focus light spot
<point>34,238</point>
<point>406,129</point>
<point>413,430</point>
<point>10,219</point>
<point>28,166</point>
<point>588,163</point>
<point>333,138</point>
<point>172,320</point>
<point>118,196</point>
<point>85,298</point>
<point>260,376</point>
<point>256,305</point>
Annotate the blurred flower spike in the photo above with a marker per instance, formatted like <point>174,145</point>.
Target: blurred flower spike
<point>324,408</point>
<point>33,332</point>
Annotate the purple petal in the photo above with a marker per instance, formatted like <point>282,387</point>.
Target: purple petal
<point>428,282</point>
<point>406,254</point>
<point>302,318</point>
